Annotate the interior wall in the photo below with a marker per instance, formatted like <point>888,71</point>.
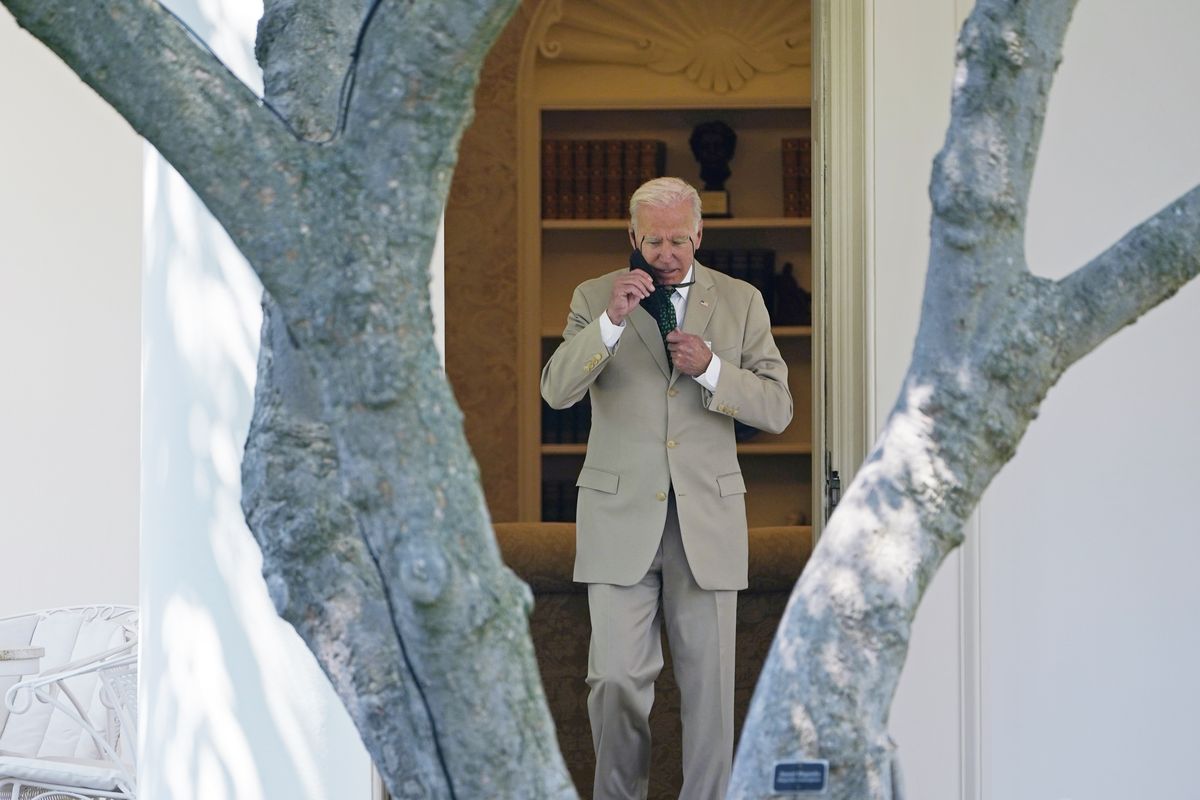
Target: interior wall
<point>70,253</point>
<point>481,260</point>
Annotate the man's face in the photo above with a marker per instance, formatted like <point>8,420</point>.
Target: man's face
<point>667,240</point>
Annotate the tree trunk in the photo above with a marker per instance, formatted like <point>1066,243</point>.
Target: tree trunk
<point>386,563</point>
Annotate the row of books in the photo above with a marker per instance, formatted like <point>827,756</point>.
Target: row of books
<point>797,177</point>
<point>594,178</point>
<point>754,265</point>
<point>558,500</point>
<point>787,303</point>
<point>568,426</point>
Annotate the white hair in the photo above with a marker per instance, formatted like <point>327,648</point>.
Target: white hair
<point>664,193</point>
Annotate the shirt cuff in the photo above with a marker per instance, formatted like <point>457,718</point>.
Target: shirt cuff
<point>708,378</point>
<point>610,333</point>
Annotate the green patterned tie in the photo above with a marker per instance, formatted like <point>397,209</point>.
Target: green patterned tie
<point>665,315</point>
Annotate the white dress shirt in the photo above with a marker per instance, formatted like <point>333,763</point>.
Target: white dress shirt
<point>610,333</point>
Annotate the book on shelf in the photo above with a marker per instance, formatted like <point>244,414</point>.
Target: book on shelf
<point>549,179</point>
<point>559,499</point>
<point>760,273</point>
<point>551,500</point>
<point>755,266</point>
<point>564,179</point>
<point>594,178</point>
<point>797,176</point>
<point>597,148</point>
<point>613,180</point>
<point>567,426</point>
<point>579,186</point>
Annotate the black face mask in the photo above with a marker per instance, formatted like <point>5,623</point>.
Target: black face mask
<point>638,261</point>
<point>654,301</point>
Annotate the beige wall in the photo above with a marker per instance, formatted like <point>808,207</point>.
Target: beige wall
<point>481,270</point>
<point>70,259</point>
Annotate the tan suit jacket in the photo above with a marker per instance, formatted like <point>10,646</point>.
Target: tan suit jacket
<point>654,428</point>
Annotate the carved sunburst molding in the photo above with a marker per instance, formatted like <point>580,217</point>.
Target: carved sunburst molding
<point>717,44</point>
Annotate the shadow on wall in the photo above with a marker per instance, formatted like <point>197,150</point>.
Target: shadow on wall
<point>234,705</point>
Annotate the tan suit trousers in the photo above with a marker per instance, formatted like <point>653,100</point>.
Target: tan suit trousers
<point>626,656</point>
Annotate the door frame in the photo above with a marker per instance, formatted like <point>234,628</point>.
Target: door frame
<point>843,236</point>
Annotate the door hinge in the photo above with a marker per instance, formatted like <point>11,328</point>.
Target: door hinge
<point>833,486</point>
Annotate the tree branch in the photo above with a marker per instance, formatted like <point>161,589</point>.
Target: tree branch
<point>417,74</point>
<point>1147,266</point>
<point>234,153</point>
<point>1006,57</point>
<point>304,49</point>
<point>1008,51</point>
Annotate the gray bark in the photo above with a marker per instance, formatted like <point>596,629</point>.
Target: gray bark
<point>993,339</point>
<point>358,482</point>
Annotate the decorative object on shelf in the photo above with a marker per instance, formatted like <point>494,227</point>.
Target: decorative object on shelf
<point>594,178</point>
<point>719,46</point>
<point>793,304</point>
<point>797,177</point>
<point>713,144</point>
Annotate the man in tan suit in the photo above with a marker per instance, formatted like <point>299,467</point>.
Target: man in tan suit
<point>661,521</point>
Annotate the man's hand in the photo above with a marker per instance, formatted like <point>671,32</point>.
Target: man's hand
<point>689,353</point>
<point>629,289</point>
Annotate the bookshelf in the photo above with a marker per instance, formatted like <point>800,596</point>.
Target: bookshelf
<point>601,97</point>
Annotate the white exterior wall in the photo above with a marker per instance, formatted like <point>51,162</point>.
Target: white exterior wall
<point>70,253</point>
<point>1077,586</point>
<point>236,704</point>
<point>1090,537</point>
<point>913,64</point>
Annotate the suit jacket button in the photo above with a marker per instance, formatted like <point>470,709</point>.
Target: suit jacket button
<point>661,496</point>
<point>672,392</point>
<point>672,444</point>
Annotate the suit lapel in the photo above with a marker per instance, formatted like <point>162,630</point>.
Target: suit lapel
<point>647,329</point>
<point>702,299</point>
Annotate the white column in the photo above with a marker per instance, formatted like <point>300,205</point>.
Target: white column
<point>233,704</point>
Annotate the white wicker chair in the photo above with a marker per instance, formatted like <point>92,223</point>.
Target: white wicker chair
<point>68,726</point>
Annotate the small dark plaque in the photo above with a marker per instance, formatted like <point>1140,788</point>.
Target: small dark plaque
<point>801,777</point>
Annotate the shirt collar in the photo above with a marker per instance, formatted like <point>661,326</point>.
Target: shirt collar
<point>683,290</point>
